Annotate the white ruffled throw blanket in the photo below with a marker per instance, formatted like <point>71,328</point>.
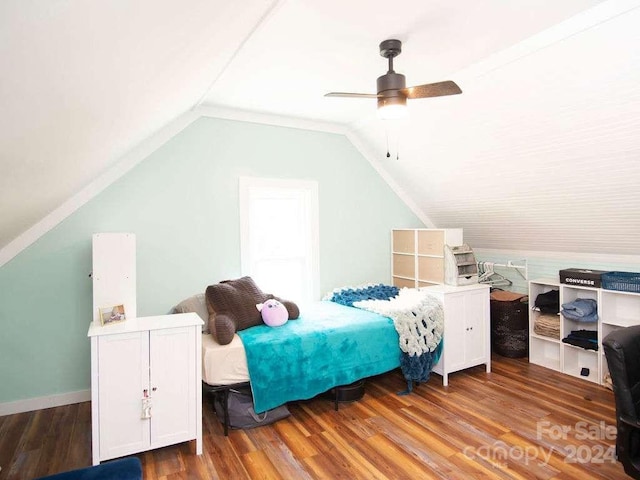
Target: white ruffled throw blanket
<point>419,320</point>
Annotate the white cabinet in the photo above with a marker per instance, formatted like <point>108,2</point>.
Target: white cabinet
<point>615,310</point>
<point>467,334</point>
<point>145,384</point>
<point>417,255</point>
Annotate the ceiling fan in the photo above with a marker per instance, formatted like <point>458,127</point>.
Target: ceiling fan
<point>392,91</point>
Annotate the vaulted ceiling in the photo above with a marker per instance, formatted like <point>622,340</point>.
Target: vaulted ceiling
<point>540,152</point>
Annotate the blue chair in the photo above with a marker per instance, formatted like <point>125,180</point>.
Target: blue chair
<point>128,468</point>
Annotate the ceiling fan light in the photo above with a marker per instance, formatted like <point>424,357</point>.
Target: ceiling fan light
<point>392,112</point>
<point>392,108</point>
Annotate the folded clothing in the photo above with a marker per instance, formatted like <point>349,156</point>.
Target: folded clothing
<point>586,334</point>
<point>581,309</point>
<point>587,339</point>
<point>588,319</point>
<point>547,325</point>
<point>548,302</point>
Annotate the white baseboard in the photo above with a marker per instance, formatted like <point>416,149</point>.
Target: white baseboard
<point>49,401</point>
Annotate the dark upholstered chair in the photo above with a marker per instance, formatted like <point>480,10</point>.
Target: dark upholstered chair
<point>128,468</point>
<point>622,349</point>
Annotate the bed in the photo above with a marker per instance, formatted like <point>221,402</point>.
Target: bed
<point>331,344</point>
<point>365,342</point>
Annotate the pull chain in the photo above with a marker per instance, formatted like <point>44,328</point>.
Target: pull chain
<point>386,133</point>
<point>397,142</point>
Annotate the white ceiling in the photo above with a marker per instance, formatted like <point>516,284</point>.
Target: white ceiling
<point>535,154</point>
<point>308,48</point>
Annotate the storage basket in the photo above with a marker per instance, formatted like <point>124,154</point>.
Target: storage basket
<point>510,328</point>
<point>621,281</point>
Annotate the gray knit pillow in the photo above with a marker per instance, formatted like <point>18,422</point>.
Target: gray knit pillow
<point>195,303</point>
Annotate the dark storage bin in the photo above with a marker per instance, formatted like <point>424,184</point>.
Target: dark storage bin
<point>347,393</point>
<point>510,325</point>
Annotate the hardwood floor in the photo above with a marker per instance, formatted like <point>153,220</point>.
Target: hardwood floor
<point>520,421</point>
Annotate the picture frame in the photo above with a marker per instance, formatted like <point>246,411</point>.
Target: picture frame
<point>111,315</point>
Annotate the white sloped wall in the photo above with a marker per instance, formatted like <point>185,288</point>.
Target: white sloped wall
<point>541,152</point>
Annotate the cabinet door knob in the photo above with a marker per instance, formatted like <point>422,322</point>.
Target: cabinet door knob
<point>154,389</point>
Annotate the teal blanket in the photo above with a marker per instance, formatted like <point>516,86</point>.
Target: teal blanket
<point>329,345</point>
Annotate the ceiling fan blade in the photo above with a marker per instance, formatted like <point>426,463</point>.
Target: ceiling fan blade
<point>352,95</point>
<point>439,89</point>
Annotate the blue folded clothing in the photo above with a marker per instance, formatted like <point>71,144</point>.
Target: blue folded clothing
<point>570,314</point>
<point>580,307</point>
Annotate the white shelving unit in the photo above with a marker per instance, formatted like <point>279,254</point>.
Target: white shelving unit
<point>619,310</point>
<point>544,351</point>
<point>417,255</point>
<point>575,359</point>
<point>615,310</point>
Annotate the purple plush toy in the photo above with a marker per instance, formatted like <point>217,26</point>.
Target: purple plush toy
<point>273,313</point>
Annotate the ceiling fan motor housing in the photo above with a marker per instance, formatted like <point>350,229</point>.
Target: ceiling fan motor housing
<point>389,89</point>
<point>391,81</point>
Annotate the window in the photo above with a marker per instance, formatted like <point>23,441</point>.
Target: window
<point>279,236</point>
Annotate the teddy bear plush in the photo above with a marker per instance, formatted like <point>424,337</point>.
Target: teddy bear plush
<point>232,307</point>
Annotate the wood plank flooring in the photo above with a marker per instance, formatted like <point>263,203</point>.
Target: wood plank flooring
<point>519,422</point>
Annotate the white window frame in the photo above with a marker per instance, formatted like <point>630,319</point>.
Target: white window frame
<point>310,190</point>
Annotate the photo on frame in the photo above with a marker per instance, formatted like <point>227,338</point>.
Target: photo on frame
<point>114,314</point>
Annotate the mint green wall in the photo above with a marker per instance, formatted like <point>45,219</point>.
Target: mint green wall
<point>182,204</point>
<point>549,267</point>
